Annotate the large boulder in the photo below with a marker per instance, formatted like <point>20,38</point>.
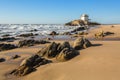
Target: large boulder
<point>66,54</point>
<point>81,43</point>
<point>28,65</point>
<point>78,43</point>
<point>49,51</point>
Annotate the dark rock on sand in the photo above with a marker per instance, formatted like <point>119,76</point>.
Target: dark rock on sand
<point>26,35</point>
<point>62,46</point>
<point>61,52</point>
<point>15,56</point>
<point>66,54</point>
<point>31,42</point>
<point>2,59</point>
<point>28,65</point>
<point>7,47</point>
<point>9,39</point>
<point>87,43</point>
<point>108,33</point>
<point>81,43</point>
<point>49,51</point>
<point>78,43</point>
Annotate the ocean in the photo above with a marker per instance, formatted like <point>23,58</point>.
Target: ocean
<point>41,29</point>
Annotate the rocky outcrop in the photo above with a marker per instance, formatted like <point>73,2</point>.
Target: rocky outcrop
<point>26,35</point>
<point>81,22</point>
<point>7,47</point>
<point>49,51</point>
<point>9,39</point>
<point>62,52</point>
<point>29,65</point>
<point>66,54</point>
<point>31,42</point>
<point>81,43</point>
<point>75,23</point>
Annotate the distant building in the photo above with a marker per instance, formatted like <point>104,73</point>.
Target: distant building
<point>84,17</point>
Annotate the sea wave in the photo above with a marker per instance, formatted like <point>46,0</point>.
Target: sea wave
<point>16,29</point>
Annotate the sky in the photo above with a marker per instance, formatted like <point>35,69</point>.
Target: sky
<point>58,11</point>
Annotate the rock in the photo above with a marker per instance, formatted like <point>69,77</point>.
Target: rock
<point>9,39</point>
<point>7,47</point>
<point>34,30</point>
<point>78,29</point>
<point>59,51</point>
<point>26,35</point>
<point>78,43</point>
<point>67,54</point>
<point>62,46</point>
<point>66,33</point>
<point>50,51</point>
<point>22,71</point>
<point>6,35</point>
<point>15,56</point>
<point>87,43</point>
<point>108,33</point>
<point>82,33</point>
<point>81,43</point>
<point>31,42</point>
<point>99,35</point>
<point>28,65</point>
<point>48,39</point>
<point>2,59</point>
<point>53,33</point>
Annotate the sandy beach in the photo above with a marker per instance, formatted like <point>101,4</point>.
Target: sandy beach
<point>98,62</point>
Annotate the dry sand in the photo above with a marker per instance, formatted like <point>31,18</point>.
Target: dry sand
<point>99,62</point>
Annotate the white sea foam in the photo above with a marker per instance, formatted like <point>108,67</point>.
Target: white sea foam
<point>16,29</point>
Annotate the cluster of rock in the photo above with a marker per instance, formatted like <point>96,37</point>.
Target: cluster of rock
<point>31,42</point>
<point>81,43</point>
<point>62,52</point>
<point>7,46</point>
<point>29,65</point>
<point>59,51</point>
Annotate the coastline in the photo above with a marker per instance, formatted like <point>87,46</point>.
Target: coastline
<point>99,62</point>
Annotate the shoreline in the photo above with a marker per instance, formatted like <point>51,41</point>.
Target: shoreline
<point>100,61</point>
